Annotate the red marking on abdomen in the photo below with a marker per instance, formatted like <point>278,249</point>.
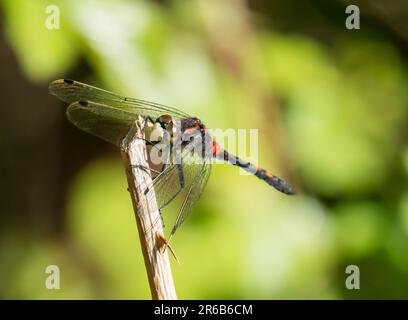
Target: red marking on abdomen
<point>216,149</point>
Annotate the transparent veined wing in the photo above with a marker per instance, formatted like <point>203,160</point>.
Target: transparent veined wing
<point>71,91</point>
<point>106,122</point>
<point>193,195</point>
<point>181,180</point>
<point>105,114</point>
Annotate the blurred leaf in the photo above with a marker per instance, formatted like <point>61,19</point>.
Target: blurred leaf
<point>23,275</point>
<point>42,53</point>
<point>291,251</point>
<point>403,211</point>
<point>361,228</point>
<point>334,114</point>
<point>101,221</point>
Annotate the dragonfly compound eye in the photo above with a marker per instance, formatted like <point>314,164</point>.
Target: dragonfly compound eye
<point>166,122</point>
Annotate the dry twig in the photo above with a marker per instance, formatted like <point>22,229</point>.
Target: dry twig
<point>147,214</point>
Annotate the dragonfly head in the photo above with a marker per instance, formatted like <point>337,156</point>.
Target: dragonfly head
<point>166,123</point>
<point>163,128</point>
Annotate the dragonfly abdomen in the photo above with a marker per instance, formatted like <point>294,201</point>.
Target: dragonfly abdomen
<point>274,181</point>
<point>262,174</point>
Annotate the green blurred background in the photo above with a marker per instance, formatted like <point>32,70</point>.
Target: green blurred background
<point>331,108</point>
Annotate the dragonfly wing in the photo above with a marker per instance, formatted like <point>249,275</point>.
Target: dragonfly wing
<point>71,91</point>
<point>193,194</point>
<point>106,122</point>
<point>184,179</point>
<point>175,178</point>
<point>167,185</point>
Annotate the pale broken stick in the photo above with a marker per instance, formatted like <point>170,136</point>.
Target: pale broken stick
<point>147,214</point>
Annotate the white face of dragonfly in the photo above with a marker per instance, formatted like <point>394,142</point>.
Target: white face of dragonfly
<point>162,130</point>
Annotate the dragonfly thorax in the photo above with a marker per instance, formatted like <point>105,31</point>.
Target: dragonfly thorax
<point>167,128</point>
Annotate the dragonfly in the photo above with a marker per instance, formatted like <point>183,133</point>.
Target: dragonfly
<point>110,116</point>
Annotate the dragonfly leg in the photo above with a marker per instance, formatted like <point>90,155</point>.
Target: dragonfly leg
<point>133,166</point>
<point>153,144</point>
<point>162,220</point>
<point>148,142</point>
<point>182,182</point>
<point>148,118</point>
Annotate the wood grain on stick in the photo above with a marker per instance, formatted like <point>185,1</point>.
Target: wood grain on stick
<point>148,217</point>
